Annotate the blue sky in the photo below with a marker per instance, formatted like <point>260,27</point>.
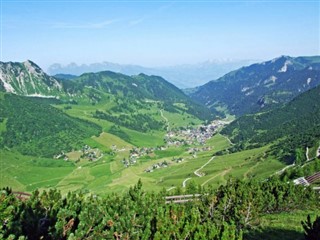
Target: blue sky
<point>156,33</point>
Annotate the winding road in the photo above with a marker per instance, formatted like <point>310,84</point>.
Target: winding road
<point>185,182</point>
<point>196,171</point>
<point>283,169</point>
<point>307,154</point>
<point>227,139</point>
<point>166,119</point>
<point>169,189</point>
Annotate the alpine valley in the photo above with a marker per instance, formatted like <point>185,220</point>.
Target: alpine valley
<point>101,133</point>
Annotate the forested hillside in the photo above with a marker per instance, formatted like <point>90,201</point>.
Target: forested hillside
<point>260,86</point>
<point>141,90</point>
<point>292,128</point>
<point>133,102</point>
<point>33,127</point>
<point>231,212</point>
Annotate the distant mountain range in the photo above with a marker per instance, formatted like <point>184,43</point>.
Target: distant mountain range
<point>182,76</point>
<point>260,86</point>
<point>131,102</point>
<point>275,102</point>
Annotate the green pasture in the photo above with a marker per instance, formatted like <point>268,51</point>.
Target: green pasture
<point>177,120</point>
<point>241,165</point>
<point>25,173</point>
<point>108,174</point>
<point>152,138</point>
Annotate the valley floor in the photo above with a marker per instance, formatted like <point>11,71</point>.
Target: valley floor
<point>110,174</point>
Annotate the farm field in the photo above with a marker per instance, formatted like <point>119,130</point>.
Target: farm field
<point>108,174</point>
<point>216,170</point>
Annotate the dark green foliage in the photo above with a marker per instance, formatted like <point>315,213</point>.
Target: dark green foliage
<point>62,76</point>
<point>134,91</point>
<point>35,128</point>
<point>306,170</point>
<point>136,121</point>
<point>99,87</point>
<point>218,214</point>
<point>167,92</point>
<point>312,230</point>
<point>295,126</point>
<point>261,86</point>
<point>116,130</point>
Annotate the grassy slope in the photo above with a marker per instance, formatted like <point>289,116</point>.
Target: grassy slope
<point>109,174</point>
<point>27,173</point>
<point>285,226</point>
<point>238,165</point>
<point>149,139</point>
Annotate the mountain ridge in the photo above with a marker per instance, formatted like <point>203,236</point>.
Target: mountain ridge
<point>117,98</point>
<point>182,76</point>
<point>28,79</point>
<point>290,131</point>
<point>260,86</point>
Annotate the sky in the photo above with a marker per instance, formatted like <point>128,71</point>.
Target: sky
<point>156,33</point>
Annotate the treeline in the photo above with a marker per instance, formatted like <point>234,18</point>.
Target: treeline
<point>292,127</point>
<point>225,213</point>
<point>136,121</point>
<point>117,131</point>
<point>36,128</point>
<point>134,89</point>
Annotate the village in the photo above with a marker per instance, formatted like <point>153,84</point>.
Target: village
<point>195,137</point>
<point>86,153</point>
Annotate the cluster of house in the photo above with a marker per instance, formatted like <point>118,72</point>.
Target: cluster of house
<point>177,159</point>
<point>137,152</point>
<point>61,155</point>
<point>129,162</point>
<point>193,136</point>
<point>114,148</point>
<point>193,150</point>
<point>92,154</point>
<point>163,164</point>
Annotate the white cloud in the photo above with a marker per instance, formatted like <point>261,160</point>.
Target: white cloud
<point>98,25</point>
<point>137,21</point>
<point>150,15</point>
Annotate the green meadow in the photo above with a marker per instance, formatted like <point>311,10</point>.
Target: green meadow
<point>108,174</point>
